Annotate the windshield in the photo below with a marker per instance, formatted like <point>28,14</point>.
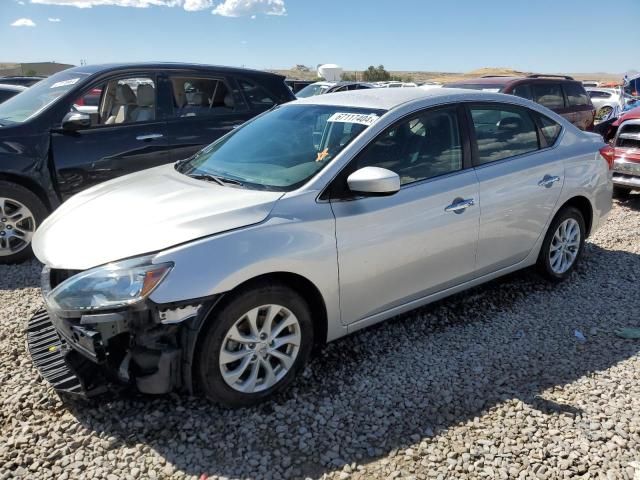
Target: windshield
<point>312,90</point>
<point>485,87</point>
<point>32,101</point>
<point>282,149</point>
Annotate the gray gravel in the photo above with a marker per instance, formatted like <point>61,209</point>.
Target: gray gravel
<point>488,384</point>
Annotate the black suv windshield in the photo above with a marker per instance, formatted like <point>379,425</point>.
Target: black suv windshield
<point>281,149</point>
<point>32,101</point>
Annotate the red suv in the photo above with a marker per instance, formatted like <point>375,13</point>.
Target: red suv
<point>560,93</point>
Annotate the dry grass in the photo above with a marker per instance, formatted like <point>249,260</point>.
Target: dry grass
<point>417,76</point>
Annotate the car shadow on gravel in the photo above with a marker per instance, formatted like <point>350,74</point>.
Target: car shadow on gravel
<point>25,275</point>
<point>632,200</point>
<point>399,383</point>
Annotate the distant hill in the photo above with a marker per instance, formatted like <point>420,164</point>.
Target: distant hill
<point>424,76</point>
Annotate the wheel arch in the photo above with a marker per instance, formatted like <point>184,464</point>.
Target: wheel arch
<point>584,206</point>
<point>301,285</point>
<point>30,185</point>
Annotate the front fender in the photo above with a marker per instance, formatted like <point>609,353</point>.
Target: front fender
<point>298,237</point>
<point>24,155</point>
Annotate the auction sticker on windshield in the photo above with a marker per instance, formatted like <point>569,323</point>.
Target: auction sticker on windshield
<point>359,118</point>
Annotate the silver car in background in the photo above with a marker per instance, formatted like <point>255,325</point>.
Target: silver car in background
<point>318,218</point>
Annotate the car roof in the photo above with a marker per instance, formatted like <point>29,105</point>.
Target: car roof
<point>15,88</point>
<point>389,98</point>
<point>602,89</point>
<point>505,80</point>
<point>107,67</point>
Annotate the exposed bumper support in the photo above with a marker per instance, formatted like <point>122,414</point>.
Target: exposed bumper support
<point>63,368</point>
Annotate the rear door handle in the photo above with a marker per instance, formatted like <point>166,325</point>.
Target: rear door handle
<point>150,136</point>
<point>459,205</point>
<point>548,181</point>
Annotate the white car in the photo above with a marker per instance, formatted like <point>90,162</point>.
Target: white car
<point>604,100</point>
<point>314,89</point>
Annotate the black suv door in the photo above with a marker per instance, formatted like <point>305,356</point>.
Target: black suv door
<point>203,107</point>
<point>127,134</point>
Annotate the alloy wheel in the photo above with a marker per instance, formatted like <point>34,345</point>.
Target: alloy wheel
<point>17,226</point>
<point>564,246</point>
<point>260,348</point>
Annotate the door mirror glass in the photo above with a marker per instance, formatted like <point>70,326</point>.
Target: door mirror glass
<point>73,121</point>
<point>374,181</point>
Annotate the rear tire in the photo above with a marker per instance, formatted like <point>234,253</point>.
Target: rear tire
<point>563,244</point>
<point>243,358</point>
<point>21,212</point>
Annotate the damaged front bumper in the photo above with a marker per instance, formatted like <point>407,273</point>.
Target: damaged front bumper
<point>147,346</point>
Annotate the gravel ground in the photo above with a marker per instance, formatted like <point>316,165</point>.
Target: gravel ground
<point>487,384</point>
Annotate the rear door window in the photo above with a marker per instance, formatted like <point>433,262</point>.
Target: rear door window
<point>576,94</point>
<point>548,94</point>
<point>201,97</point>
<point>502,132</point>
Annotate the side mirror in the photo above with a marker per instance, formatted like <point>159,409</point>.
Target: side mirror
<point>374,181</point>
<point>73,121</point>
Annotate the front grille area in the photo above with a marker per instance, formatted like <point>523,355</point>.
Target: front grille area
<point>65,369</point>
<point>47,352</point>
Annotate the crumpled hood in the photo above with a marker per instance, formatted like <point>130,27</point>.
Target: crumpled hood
<point>142,213</point>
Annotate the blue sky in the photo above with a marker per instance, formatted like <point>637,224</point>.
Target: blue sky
<point>544,35</point>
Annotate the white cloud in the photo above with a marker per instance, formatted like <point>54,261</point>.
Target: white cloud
<point>194,5</point>
<point>240,8</point>
<point>226,8</point>
<point>20,2</point>
<point>189,5</point>
<point>23,22</point>
<point>54,20</point>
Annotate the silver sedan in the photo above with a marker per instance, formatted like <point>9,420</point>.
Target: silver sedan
<point>318,218</point>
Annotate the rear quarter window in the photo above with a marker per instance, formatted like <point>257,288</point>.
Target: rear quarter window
<point>550,129</point>
<point>576,94</point>
<point>548,94</point>
<point>256,95</point>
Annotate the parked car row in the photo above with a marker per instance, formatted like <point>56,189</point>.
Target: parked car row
<point>562,94</point>
<point>8,90</point>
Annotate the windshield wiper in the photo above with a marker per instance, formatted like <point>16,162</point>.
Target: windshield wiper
<point>217,179</point>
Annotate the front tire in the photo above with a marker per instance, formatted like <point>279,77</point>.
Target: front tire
<point>254,345</point>
<point>563,244</point>
<point>21,212</point>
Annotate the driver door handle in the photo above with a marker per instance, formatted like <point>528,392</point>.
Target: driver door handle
<point>150,136</point>
<point>459,205</point>
<point>548,181</point>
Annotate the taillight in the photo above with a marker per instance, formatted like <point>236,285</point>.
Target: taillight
<point>609,154</point>
<point>79,101</point>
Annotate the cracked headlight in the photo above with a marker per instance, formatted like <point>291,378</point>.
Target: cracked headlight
<point>114,285</point>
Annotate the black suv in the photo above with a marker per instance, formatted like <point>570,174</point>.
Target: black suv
<point>560,93</point>
<point>89,124</point>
